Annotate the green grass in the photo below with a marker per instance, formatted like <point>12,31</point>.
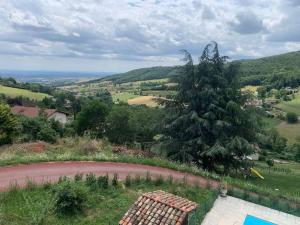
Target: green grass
<point>284,181</point>
<point>291,106</point>
<point>270,123</point>
<point>123,96</point>
<point>14,92</point>
<point>290,131</point>
<point>103,207</point>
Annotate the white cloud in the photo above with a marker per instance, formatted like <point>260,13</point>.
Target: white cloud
<point>142,32</point>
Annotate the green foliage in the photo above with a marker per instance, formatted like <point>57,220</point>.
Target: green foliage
<point>105,96</point>
<point>69,198</point>
<point>297,150</point>
<point>91,180</point>
<point>91,119</point>
<point>103,181</point>
<point>119,129</point>
<point>128,181</point>
<point>207,123</point>
<point>47,134</point>
<point>38,129</point>
<point>291,117</point>
<point>115,181</point>
<point>8,125</point>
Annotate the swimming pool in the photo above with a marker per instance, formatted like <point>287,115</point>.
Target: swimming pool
<point>252,220</point>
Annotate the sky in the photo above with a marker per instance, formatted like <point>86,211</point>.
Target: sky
<point>119,35</point>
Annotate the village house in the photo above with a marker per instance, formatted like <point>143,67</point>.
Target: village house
<point>160,207</point>
<point>35,112</point>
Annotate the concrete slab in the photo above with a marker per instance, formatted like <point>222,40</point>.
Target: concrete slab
<point>233,211</point>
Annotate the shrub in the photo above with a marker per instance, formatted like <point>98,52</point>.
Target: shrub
<point>128,181</point>
<point>78,177</point>
<point>70,198</point>
<point>148,177</point>
<point>262,158</point>
<point>91,180</point>
<point>137,179</point>
<point>291,117</point>
<point>103,181</point>
<point>90,147</point>
<point>8,125</point>
<point>159,180</point>
<point>47,134</point>
<point>115,180</point>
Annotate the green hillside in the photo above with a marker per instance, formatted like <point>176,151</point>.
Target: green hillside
<point>284,64</point>
<point>14,92</point>
<point>143,74</point>
<point>253,72</point>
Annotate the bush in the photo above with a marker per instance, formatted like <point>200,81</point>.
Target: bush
<point>291,117</point>
<point>47,134</point>
<point>103,181</point>
<point>115,180</point>
<point>70,198</point>
<point>128,181</point>
<point>78,177</point>
<point>91,180</point>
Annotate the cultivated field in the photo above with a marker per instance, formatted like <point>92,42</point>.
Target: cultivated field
<point>123,96</point>
<point>143,100</point>
<point>14,92</point>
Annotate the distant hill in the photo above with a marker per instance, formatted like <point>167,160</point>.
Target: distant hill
<point>253,71</point>
<point>151,73</point>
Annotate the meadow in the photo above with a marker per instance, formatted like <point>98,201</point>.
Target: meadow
<point>290,131</point>
<point>14,92</point>
<point>34,205</point>
<point>283,177</point>
<point>291,106</point>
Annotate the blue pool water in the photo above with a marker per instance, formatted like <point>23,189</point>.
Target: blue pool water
<point>252,220</point>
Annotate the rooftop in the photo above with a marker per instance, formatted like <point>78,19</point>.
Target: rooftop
<point>158,207</point>
<point>31,111</point>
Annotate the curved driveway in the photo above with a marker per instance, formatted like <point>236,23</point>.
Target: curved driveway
<point>51,171</point>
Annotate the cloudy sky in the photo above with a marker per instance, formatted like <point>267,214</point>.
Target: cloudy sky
<point>118,35</point>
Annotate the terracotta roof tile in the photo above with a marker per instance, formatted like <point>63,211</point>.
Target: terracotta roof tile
<point>158,207</point>
<point>31,111</point>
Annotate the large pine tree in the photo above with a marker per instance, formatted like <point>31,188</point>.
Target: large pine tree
<point>208,124</point>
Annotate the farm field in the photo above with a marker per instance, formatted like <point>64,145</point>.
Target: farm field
<point>123,96</point>
<point>290,131</point>
<point>103,206</point>
<point>143,100</point>
<point>14,92</point>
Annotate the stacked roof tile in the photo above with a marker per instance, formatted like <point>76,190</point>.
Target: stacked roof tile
<point>158,207</point>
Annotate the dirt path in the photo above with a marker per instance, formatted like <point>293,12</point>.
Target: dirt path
<point>51,171</point>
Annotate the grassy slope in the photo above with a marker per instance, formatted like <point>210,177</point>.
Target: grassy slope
<point>290,131</point>
<point>22,207</point>
<point>280,180</point>
<point>14,92</point>
<point>291,106</point>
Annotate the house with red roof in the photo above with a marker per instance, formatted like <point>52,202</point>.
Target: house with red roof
<point>35,112</point>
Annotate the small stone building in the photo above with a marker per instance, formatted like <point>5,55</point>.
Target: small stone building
<point>159,207</point>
